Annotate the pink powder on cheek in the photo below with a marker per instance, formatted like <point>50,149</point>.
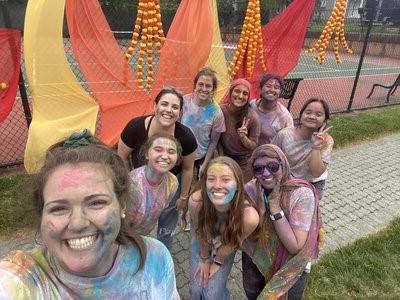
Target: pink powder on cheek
<point>49,229</point>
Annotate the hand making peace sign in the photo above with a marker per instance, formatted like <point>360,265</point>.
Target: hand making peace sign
<point>318,137</point>
<point>242,131</point>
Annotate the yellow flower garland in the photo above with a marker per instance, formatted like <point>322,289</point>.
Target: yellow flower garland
<point>335,24</point>
<point>3,86</point>
<point>148,26</point>
<point>250,40</point>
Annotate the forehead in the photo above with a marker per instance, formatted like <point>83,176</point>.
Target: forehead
<point>263,160</point>
<point>170,98</point>
<point>77,175</point>
<point>241,87</point>
<point>272,81</point>
<point>163,142</point>
<point>315,106</point>
<point>204,79</point>
<point>218,169</point>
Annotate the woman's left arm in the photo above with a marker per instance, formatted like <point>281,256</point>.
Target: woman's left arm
<point>187,176</point>
<point>250,131</point>
<point>320,143</point>
<point>292,239</point>
<point>251,220</point>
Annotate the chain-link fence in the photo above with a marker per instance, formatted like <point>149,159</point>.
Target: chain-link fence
<point>379,52</point>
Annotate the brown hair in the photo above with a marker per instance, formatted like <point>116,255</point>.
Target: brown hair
<point>208,214</point>
<point>85,148</point>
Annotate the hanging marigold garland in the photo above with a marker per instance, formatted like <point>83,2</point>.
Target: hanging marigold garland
<point>335,24</point>
<point>148,27</point>
<point>250,40</point>
<point>3,86</point>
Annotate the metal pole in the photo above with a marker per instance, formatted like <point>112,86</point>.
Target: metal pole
<point>21,82</point>
<point>371,22</point>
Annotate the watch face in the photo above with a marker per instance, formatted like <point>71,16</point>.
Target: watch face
<point>277,216</point>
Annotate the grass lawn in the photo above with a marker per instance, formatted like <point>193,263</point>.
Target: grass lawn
<point>369,268</point>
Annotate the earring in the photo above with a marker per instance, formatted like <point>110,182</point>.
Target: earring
<point>123,215</point>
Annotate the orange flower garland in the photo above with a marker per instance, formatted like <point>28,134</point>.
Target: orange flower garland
<point>148,26</point>
<point>3,86</point>
<point>250,40</point>
<point>335,24</point>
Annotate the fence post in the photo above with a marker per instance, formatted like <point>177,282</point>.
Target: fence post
<point>371,22</point>
<point>21,82</point>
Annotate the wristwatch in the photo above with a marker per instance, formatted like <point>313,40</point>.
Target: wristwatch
<point>277,216</point>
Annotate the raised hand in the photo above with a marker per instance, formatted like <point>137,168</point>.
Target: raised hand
<point>243,131</point>
<point>318,137</point>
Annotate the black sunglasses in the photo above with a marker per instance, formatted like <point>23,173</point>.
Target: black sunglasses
<point>272,167</point>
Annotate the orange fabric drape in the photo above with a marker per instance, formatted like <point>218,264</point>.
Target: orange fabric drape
<point>10,56</point>
<point>283,38</point>
<point>187,46</point>
<point>105,69</point>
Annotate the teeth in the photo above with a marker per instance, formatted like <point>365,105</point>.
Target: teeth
<point>218,194</point>
<point>82,242</point>
<point>163,163</point>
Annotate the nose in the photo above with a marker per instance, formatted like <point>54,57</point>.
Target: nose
<point>266,172</point>
<point>78,220</point>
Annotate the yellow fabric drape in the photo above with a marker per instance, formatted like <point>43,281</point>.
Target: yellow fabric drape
<point>60,104</point>
<point>217,60</point>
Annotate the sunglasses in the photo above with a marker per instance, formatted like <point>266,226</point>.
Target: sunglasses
<point>272,167</point>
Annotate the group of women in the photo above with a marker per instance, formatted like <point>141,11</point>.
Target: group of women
<point>258,195</point>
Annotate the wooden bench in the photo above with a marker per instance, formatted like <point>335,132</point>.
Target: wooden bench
<point>289,89</point>
<point>392,88</point>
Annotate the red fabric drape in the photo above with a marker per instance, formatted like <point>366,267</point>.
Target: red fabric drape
<point>283,38</point>
<point>104,67</point>
<point>10,55</point>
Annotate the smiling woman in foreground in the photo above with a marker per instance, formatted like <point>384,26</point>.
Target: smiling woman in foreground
<point>80,196</point>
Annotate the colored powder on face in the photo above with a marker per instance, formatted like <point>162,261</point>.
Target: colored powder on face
<point>70,179</point>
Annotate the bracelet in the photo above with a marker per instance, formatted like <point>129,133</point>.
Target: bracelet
<point>184,198</point>
<point>316,147</point>
<point>218,263</point>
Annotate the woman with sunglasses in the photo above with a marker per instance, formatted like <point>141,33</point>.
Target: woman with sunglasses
<point>242,126</point>
<point>221,218</point>
<point>277,257</point>
<point>167,111</point>
<point>308,146</point>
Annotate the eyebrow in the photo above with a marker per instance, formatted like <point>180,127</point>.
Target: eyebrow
<point>87,198</point>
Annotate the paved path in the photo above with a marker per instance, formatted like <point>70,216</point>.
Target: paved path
<point>362,195</point>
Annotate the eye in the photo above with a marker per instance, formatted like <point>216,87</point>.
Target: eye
<point>98,203</point>
<point>172,151</point>
<point>58,210</point>
<point>175,107</point>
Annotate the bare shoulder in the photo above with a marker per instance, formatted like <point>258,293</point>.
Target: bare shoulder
<point>250,217</point>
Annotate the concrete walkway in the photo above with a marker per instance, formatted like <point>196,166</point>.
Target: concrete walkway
<point>362,195</point>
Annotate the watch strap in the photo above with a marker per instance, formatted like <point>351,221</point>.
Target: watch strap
<point>277,216</point>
